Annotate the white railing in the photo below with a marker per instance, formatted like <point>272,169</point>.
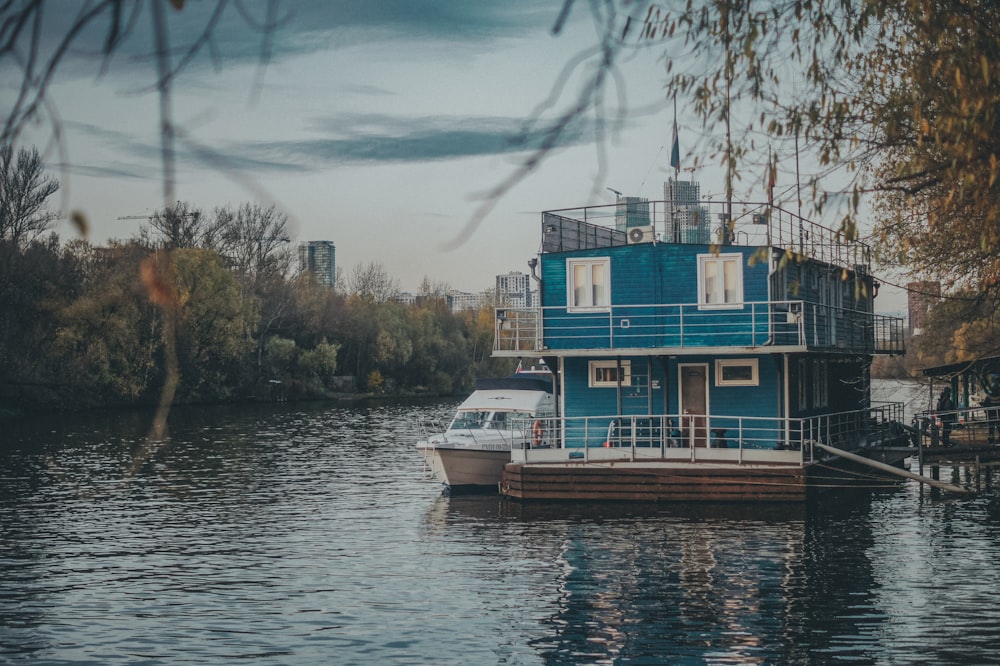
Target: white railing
<point>676,326</point>
<point>712,437</point>
<point>752,224</point>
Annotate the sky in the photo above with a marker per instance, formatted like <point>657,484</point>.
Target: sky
<point>380,126</point>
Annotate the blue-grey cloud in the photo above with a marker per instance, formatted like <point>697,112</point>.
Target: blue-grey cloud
<point>350,139</point>
<point>367,139</point>
<point>99,171</point>
<point>246,32</point>
<point>320,24</point>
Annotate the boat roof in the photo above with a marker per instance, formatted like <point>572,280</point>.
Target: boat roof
<point>520,381</point>
<point>979,365</point>
<point>503,400</point>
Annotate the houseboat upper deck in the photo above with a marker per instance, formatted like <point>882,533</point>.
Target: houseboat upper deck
<point>822,277</point>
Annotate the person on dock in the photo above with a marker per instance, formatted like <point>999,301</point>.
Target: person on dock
<point>946,412</point>
<point>992,404</point>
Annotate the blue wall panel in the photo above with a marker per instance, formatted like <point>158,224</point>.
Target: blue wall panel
<point>647,275</point>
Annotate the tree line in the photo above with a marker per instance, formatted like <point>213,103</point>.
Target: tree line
<point>211,305</point>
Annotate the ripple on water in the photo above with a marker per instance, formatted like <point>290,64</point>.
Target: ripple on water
<point>295,534</point>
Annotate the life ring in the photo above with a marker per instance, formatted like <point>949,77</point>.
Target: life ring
<point>537,433</point>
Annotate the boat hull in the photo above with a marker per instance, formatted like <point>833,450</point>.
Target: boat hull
<point>649,481</point>
<point>662,481</point>
<point>466,469</point>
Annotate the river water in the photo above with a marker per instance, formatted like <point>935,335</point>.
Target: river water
<point>302,534</point>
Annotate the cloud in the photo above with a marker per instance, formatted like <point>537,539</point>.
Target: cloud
<point>245,32</point>
<point>96,171</point>
<point>368,139</point>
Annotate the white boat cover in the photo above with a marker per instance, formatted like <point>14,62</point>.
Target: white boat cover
<point>504,401</point>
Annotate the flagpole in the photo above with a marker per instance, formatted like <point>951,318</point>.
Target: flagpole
<point>675,149</point>
<point>675,162</point>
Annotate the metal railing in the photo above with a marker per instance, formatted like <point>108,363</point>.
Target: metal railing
<point>972,426</point>
<point>753,224</point>
<point>693,437</point>
<point>676,326</point>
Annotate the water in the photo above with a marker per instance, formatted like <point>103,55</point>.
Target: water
<point>299,535</point>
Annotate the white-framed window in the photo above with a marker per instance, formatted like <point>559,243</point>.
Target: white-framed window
<point>588,283</point>
<point>736,372</point>
<point>604,374</point>
<point>720,281</point>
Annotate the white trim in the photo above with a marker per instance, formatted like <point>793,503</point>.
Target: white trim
<point>704,301</point>
<point>594,366</point>
<point>721,364</point>
<point>571,303</point>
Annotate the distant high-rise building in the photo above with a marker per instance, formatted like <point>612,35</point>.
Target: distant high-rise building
<point>631,212</point>
<point>513,290</point>
<point>686,220</point>
<point>460,300</point>
<point>920,297</point>
<point>407,298</point>
<point>319,258</point>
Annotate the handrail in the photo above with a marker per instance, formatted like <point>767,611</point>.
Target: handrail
<point>752,224</point>
<point>682,325</point>
<point>681,436</point>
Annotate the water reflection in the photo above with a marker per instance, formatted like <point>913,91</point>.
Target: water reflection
<point>727,584</point>
<point>305,534</point>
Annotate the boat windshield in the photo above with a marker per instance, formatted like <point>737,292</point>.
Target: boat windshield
<point>478,420</point>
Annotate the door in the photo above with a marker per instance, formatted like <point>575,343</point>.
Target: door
<point>694,402</point>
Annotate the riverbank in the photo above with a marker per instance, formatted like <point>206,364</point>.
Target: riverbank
<point>11,412</point>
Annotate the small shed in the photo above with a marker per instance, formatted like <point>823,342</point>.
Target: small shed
<point>970,381</point>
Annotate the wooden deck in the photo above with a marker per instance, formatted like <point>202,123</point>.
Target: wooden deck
<point>651,482</point>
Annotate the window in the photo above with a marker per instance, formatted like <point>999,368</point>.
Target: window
<point>605,374</point>
<point>589,284</point>
<point>803,384</point>
<point>821,395</point>
<point>720,280</point>
<point>736,372</point>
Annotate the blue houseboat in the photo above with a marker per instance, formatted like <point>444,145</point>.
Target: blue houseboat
<point>702,351</point>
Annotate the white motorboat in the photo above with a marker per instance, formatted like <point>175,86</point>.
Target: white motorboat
<point>501,414</point>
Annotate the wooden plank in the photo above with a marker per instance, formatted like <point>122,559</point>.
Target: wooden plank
<point>654,484</point>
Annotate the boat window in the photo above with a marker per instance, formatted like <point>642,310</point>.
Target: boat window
<point>736,372</point>
<point>803,384</point>
<point>470,420</point>
<point>821,396</point>
<point>589,284</point>
<point>605,374</point>
<point>720,280</point>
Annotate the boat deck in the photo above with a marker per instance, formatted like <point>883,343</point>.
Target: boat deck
<point>652,481</point>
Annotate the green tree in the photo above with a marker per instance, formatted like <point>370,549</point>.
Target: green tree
<point>214,321</point>
<point>108,341</point>
<point>36,282</point>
